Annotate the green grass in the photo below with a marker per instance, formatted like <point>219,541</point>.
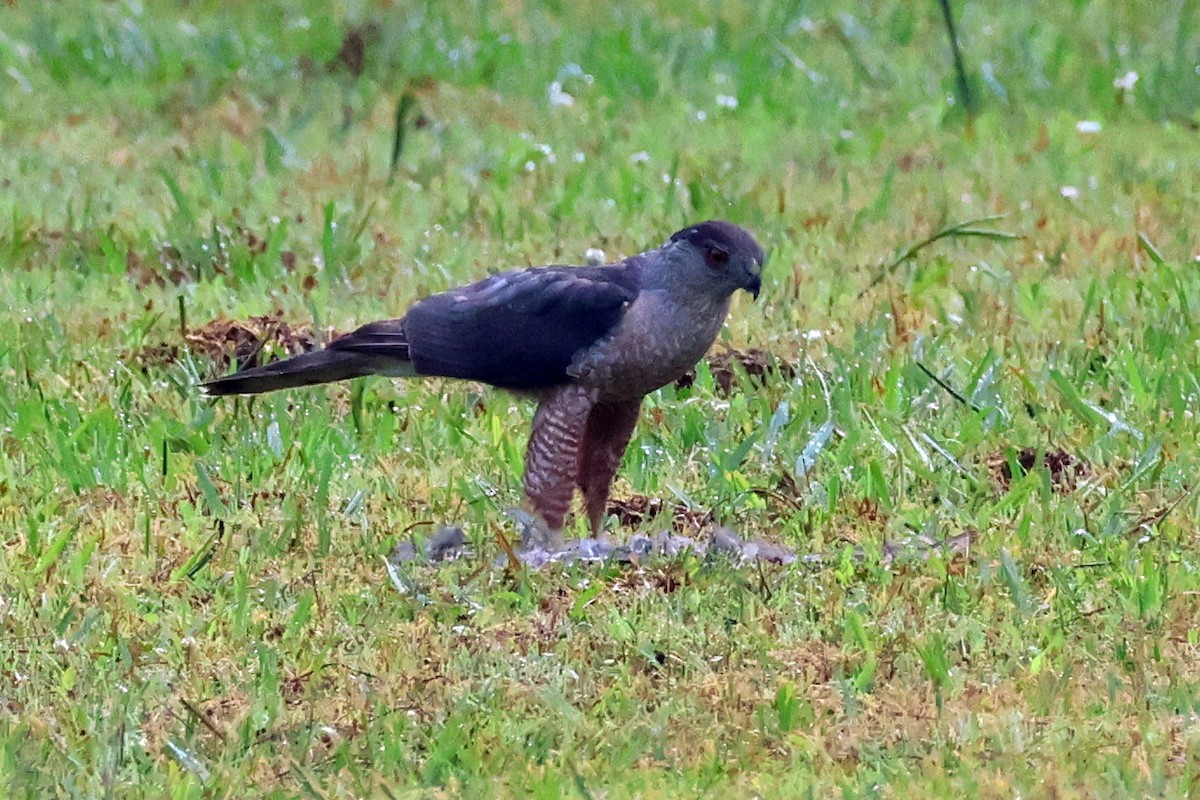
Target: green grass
<point>193,598</point>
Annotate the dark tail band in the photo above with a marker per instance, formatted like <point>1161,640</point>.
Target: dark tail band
<point>306,369</point>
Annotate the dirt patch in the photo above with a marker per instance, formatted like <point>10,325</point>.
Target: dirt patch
<point>356,44</point>
<point>1065,469</point>
<point>758,365</point>
<point>246,343</point>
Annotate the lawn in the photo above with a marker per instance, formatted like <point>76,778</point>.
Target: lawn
<point>974,416</point>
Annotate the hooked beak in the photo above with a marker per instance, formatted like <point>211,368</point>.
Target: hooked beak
<point>752,274</point>
<point>754,280</point>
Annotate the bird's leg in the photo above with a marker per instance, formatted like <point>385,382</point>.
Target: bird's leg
<point>552,459</point>
<point>609,428</point>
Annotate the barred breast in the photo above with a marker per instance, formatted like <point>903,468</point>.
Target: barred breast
<point>656,343</point>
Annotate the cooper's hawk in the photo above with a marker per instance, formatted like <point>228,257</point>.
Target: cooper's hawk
<point>588,342</point>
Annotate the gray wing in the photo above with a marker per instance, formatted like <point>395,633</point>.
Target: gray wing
<point>517,330</point>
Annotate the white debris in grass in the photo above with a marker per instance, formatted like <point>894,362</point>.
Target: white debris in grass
<point>1127,81</point>
<point>557,97</point>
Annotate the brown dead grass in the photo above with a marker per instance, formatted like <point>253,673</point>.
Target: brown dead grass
<point>243,344</point>
<point>758,365</point>
<point>638,509</point>
<point>1064,468</point>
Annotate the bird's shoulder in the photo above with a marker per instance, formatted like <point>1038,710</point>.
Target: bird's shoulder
<point>541,290</point>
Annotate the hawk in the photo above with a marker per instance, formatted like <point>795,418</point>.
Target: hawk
<point>589,343</point>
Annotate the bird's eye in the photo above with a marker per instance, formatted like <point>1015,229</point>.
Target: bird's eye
<point>717,257</point>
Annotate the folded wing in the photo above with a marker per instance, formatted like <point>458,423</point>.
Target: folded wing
<point>516,330</point>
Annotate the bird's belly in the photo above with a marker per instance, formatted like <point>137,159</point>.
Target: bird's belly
<point>656,349</point>
<point>650,370</point>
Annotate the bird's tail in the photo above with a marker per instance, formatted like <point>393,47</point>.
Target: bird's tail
<point>307,369</point>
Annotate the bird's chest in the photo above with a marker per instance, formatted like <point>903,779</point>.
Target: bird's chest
<point>656,343</point>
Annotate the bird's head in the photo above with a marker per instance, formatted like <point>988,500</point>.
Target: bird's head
<point>718,256</point>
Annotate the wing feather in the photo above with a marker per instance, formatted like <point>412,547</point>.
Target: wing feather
<point>520,329</point>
